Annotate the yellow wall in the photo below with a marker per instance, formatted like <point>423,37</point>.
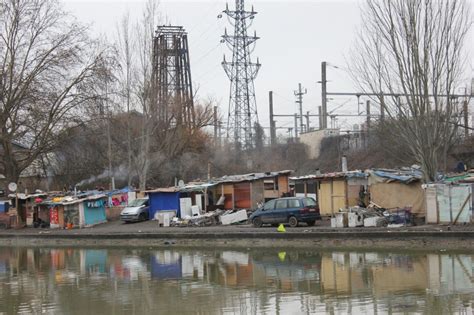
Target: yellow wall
<point>339,194</point>
<point>332,196</point>
<point>393,195</point>
<point>334,277</point>
<point>392,279</point>
<point>324,197</point>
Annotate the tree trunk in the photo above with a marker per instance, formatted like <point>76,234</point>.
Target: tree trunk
<point>11,169</point>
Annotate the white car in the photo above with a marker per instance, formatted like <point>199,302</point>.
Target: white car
<point>137,210</point>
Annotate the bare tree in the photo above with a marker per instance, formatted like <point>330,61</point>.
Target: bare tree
<point>410,53</point>
<point>144,89</point>
<point>126,53</point>
<point>46,65</point>
<point>159,140</point>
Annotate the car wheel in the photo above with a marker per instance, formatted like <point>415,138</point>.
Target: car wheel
<point>143,216</point>
<point>311,223</point>
<point>257,222</point>
<point>293,222</point>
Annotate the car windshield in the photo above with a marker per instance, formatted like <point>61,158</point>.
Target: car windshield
<point>269,205</point>
<point>137,202</point>
<point>309,202</point>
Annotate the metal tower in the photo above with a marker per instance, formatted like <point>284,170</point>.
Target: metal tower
<point>241,72</point>
<point>172,75</point>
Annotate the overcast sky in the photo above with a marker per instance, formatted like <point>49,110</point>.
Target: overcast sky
<point>296,36</point>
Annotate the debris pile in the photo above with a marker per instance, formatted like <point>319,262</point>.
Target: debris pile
<point>372,216</point>
<point>217,217</point>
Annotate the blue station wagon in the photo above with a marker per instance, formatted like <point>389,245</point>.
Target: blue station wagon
<point>290,210</point>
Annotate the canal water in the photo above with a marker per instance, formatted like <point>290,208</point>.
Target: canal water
<point>252,281</point>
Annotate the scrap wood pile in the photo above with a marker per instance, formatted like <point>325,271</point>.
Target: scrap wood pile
<point>372,216</point>
<point>217,217</point>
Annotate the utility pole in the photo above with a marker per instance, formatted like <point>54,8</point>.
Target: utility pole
<point>466,119</point>
<point>215,125</point>
<point>296,127</point>
<point>368,123</point>
<point>368,115</point>
<point>320,118</point>
<point>307,121</point>
<point>324,118</point>
<point>272,121</point>
<point>299,100</point>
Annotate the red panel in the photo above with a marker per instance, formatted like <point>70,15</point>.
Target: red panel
<point>242,196</point>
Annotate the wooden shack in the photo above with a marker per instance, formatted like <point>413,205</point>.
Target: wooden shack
<point>249,190</point>
<point>333,191</point>
<point>401,188</point>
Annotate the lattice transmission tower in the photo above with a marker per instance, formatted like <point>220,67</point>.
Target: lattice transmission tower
<point>242,73</point>
<point>172,75</point>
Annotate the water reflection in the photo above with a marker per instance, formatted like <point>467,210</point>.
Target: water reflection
<point>39,280</point>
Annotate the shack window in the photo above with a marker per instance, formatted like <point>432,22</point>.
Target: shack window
<point>299,188</point>
<point>269,184</point>
<point>311,187</point>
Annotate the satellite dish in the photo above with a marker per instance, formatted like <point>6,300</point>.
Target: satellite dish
<point>181,183</point>
<point>12,187</point>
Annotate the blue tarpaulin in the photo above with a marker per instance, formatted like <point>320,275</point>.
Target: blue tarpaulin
<point>401,176</point>
<point>164,201</point>
<point>165,270</point>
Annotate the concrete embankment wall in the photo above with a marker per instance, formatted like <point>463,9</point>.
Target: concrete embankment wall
<point>443,241</point>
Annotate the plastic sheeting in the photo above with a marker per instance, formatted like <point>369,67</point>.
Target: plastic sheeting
<point>401,176</point>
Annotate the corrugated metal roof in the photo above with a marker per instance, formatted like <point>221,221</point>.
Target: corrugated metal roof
<point>216,181</point>
<point>164,189</point>
<point>69,200</point>
<point>349,174</point>
<point>248,177</point>
<point>23,196</point>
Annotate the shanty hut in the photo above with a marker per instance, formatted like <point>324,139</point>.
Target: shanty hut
<point>248,190</point>
<point>27,208</point>
<point>62,212</point>
<point>333,191</point>
<point>227,192</point>
<point>179,200</point>
<point>450,201</point>
<point>401,188</point>
<point>164,199</point>
<point>93,209</point>
<point>339,190</point>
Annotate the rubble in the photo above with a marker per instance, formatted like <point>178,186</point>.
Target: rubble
<point>206,219</point>
<point>217,217</point>
<point>372,216</point>
<point>235,217</point>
